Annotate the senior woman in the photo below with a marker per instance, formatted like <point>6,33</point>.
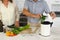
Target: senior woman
<point>9,13</point>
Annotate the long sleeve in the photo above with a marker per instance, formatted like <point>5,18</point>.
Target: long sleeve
<point>0,16</point>
<point>16,11</point>
<point>0,13</point>
<point>17,14</point>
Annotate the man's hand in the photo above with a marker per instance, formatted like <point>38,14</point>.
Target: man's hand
<point>37,16</point>
<point>53,15</point>
<point>17,23</point>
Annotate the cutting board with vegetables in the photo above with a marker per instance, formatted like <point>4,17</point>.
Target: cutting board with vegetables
<point>15,31</point>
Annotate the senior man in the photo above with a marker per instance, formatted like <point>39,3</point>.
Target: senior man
<point>34,10</point>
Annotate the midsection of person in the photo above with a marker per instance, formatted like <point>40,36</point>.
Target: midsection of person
<point>37,7</point>
<point>8,13</point>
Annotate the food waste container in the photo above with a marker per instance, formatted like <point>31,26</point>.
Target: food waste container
<point>45,28</point>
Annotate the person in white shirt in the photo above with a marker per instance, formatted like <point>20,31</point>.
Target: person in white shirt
<point>9,13</point>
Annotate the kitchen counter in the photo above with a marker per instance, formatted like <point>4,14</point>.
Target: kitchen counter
<point>55,35</point>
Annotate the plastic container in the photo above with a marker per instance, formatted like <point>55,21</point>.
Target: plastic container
<point>45,29</point>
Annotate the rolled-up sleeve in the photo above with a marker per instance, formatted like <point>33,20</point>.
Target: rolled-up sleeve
<point>47,10</point>
<point>0,12</point>
<point>26,4</point>
<point>17,14</point>
<point>16,11</point>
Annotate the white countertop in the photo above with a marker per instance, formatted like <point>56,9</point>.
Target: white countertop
<point>55,35</point>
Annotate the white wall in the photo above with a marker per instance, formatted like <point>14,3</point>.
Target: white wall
<point>54,5</point>
<point>20,4</point>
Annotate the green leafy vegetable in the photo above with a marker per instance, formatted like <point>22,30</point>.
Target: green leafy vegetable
<point>43,18</point>
<point>16,30</point>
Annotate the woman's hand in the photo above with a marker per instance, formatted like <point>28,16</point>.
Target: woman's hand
<point>17,23</point>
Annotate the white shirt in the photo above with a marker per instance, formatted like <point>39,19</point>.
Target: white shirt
<point>8,13</point>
